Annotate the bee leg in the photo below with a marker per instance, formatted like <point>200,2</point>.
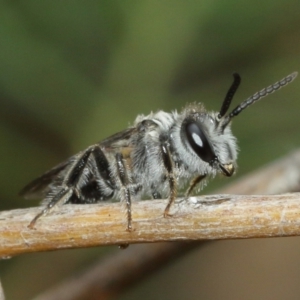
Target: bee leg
<point>168,163</point>
<point>62,197</point>
<point>102,168</point>
<point>122,172</point>
<point>68,186</point>
<point>193,183</point>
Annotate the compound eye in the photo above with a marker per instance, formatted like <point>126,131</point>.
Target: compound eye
<point>199,142</point>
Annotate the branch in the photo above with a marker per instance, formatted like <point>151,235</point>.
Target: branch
<point>200,218</point>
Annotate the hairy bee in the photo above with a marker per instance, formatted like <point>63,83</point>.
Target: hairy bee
<point>155,157</point>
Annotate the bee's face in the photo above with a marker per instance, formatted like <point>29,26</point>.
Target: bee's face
<point>205,140</point>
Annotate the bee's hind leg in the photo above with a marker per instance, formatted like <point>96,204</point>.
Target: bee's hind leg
<point>62,197</point>
<point>68,186</point>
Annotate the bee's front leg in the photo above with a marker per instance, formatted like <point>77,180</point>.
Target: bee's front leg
<point>193,184</point>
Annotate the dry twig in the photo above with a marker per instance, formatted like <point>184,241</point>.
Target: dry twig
<point>201,218</point>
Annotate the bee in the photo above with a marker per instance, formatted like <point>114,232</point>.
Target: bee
<point>157,156</point>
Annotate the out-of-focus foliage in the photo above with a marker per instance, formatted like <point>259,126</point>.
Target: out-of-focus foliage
<point>74,72</point>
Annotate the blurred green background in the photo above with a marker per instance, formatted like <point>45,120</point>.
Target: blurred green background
<point>74,72</point>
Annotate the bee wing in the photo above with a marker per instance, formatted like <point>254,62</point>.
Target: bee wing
<point>119,140</point>
<point>38,187</point>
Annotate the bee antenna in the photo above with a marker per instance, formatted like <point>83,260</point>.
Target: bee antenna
<point>259,95</point>
<point>232,90</point>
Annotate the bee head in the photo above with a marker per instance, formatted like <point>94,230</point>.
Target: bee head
<point>217,150</point>
<point>208,135</point>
